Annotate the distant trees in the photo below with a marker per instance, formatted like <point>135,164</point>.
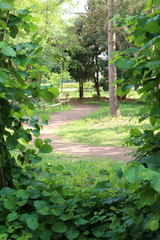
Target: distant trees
<point>92,32</point>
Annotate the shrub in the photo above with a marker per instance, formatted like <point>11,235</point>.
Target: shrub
<point>124,205</point>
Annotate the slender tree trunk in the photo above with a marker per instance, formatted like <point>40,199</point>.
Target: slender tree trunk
<point>96,79</point>
<point>80,89</point>
<point>111,67</point>
<point>2,179</point>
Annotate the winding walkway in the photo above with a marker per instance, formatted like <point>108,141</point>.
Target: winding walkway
<point>61,145</point>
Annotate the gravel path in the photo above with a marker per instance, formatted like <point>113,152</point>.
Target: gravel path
<point>61,145</point>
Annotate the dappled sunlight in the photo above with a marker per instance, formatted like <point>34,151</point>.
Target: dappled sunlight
<point>72,147</point>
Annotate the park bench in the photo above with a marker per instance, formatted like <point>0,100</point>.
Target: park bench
<point>63,98</point>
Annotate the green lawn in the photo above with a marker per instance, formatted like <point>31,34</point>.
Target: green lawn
<point>78,171</point>
<point>75,94</point>
<point>99,128</point>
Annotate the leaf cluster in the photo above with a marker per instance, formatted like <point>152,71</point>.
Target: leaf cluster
<point>123,205</point>
<point>19,87</point>
<point>141,64</point>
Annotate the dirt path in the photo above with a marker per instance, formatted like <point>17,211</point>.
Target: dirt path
<point>73,148</point>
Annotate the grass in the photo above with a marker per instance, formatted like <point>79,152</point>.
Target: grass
<point>99,128</point>
<point>75,94</point>
<point>78,171</point>
<point>75,171</point>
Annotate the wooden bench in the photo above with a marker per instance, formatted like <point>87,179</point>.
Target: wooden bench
<point>63,98</point>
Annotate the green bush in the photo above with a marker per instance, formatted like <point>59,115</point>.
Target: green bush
<point>124,205</point>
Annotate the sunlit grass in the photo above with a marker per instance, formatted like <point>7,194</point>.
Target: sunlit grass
<point>99,128</point>
<point>78,171</point>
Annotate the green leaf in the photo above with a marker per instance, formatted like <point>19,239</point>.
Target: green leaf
<point>56,211</point>
<point>34,194</point>
<point>38,143</point>
<point>153,65</point>
<point>65,217</point>
<point>103,185</point>
<point>6,6</point>
<point>133,173</point>
<point>3,24</point>
<point>46,148</point>
<point>12,216</point>
<point>152,25</point>
<point>72,233</point>
<point>148,197</point>
<point>46,95</point>
<point>156,111</point>
<point>98,231</point>
<point>46,235</point>
<point>127,87</point>
<point>6,191</point>
<point>125,63</point>
<point>151,161</point>
<point>3,76</point>
<point>12,142</point>
<point>157,42</point>
<point>9,203</point>
<point>13,31</point>
<point>3,45</point>
<point>135,132</point>
<point>8,51</point>
<point>40,204</point>
<point>120,92</point>
<point>154,225</point>
<point>155,183</point>
<point>23,11</point>
<point>21,60</point>
<point>18,78</point>
<point>59,227</point>
<point>32,222</point>
<point>54,91</point>
<point>3,229</point>
<point>47,140</point>
<point>24,194</point>
<point>22,203</point>
<point>80,221</point>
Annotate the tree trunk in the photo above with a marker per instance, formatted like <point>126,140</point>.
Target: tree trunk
<point>2,179</point>
<point>80,89</point>
<point>96,79</point>
<point>111,67</point>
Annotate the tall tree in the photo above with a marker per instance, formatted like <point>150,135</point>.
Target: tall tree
<point>112,72</point>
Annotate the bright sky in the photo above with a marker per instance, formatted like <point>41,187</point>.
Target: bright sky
<point>80,4</point>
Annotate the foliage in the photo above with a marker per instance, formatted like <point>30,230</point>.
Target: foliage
<point>125,203</point>
<point>18,66</point>
<point>143,62</point>
<point>42,208</point>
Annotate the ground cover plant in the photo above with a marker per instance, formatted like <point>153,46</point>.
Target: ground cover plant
<point>78,171</point>
<point>99,128</point>
<point>43,207</point>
